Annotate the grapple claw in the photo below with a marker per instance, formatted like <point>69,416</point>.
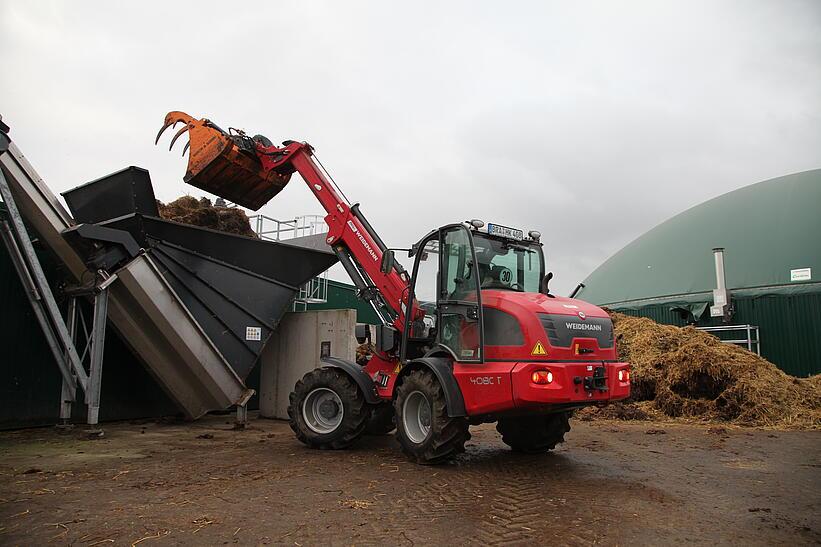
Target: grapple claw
<point>177,136</point>
<point>162,130</point>
<point>223,164</point>
<point>171,120</point>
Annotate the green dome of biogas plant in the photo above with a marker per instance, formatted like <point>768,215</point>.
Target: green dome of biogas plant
<point>767,230</point>
<point>771,236</point>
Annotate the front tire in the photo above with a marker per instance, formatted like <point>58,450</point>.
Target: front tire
<point>327,410</point>
<point>425,432</point>
<point>534,434</point>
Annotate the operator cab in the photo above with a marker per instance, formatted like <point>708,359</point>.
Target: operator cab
<point>453,266</point>
<point>506,259</point>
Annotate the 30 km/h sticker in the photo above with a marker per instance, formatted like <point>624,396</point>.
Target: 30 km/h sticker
<point>538,349</point>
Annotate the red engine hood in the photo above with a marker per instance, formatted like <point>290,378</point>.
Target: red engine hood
<point>529,309</point>
<point>540,303</point>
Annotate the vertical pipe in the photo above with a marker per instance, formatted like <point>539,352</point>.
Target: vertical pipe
<point>718,254</point>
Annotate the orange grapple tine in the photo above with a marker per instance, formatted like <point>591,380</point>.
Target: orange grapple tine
<point>177,136</point>
<point>171,120</point>
<point>162,130</point>
<point>186,147</point>
<point>166,126</point>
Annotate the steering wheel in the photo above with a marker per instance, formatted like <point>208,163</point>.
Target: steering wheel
<point>447,332</point>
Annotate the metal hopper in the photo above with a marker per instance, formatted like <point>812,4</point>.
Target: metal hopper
<point>182,296</point>
<point>236,288</point>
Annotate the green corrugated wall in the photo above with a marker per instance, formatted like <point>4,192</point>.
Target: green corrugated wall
<point>343,296</point>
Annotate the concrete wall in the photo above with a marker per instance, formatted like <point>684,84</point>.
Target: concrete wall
<point>295,348</point>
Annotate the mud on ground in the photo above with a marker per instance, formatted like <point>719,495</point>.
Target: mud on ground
<point>611,483</point>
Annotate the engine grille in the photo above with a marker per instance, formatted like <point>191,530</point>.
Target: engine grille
<point>562,329</point>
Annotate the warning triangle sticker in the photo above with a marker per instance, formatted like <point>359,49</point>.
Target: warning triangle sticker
<point>538,349</point>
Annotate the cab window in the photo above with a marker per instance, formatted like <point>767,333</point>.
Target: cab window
<point>508,265</point>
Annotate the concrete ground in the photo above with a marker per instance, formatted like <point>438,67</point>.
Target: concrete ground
<point>611,483</point>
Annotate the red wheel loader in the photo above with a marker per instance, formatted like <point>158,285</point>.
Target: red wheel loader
<point>471,335</point>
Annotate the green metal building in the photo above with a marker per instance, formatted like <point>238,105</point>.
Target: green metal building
<point>771,236</point>
<point>342,296</point>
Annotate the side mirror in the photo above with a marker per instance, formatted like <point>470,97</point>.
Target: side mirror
<point>546,283</point>
<point>387,262</point>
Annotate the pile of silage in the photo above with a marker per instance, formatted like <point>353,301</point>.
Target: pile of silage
<point>683,372</point>
<point>201,212</point>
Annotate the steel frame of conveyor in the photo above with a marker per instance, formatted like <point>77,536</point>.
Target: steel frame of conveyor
<point>60,335</point>
<point>141,305</point>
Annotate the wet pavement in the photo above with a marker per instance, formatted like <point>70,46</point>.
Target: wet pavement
<point>611,483</point>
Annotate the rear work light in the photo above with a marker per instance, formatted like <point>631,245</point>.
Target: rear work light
<point>624,375</point>
<point>541,377</point>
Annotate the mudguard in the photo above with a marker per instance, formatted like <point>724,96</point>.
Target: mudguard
<point>442,367</point>
<point>359,376</point>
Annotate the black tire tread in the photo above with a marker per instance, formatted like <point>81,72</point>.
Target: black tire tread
<point>356,409</point>
<point>449,434</point>
<point>381,420</point>
<point>534,434</point>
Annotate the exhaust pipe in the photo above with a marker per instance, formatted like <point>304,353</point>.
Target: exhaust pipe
<point>721,296</point>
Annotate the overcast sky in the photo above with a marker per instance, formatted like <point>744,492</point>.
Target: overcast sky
<point>589,121</point>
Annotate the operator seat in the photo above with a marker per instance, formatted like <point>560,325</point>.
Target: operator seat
<point>490,279</point>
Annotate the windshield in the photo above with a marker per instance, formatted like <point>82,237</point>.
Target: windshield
<point>510,265</point>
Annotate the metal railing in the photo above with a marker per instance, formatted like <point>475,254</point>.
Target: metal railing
<point>752,340</point>
<point>273,229</point>
<point>314,291</point>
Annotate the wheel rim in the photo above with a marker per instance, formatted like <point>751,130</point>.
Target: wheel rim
<point>416,417</point>
<point>323,410</point>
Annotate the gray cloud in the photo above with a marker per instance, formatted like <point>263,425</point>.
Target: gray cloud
<point>591,122</point>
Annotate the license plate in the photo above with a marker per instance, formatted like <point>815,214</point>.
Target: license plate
<point>504,231</point>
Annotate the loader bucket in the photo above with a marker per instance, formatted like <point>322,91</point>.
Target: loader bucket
<point>224,164</point>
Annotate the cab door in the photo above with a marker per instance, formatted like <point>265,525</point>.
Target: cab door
<point>445,285</point>
<point>459,300</point>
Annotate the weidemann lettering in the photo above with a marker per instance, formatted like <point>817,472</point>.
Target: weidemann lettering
<point>583,326</point>
<point>363,241</point>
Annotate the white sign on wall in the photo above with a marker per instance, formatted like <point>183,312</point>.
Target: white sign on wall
<point>253,333</point>
<point>801,274</point>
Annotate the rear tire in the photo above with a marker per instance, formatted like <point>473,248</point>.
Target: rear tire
<point>425,432</point>
<point>381,420</point>
<point>327,410</point>
<point>534,434</point>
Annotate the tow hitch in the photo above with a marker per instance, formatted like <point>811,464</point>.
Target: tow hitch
<point>598,381</point>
